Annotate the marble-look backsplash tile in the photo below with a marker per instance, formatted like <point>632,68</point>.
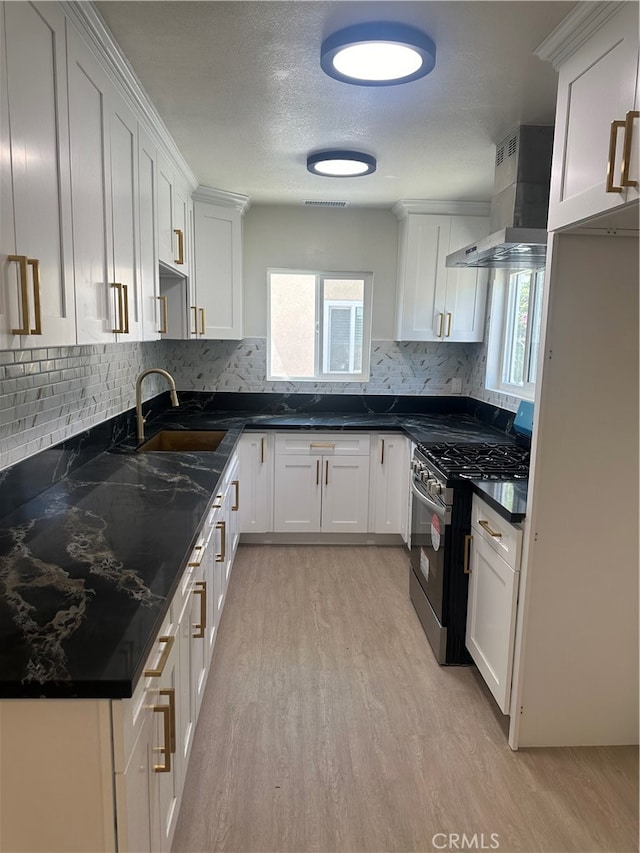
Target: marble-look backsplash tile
<point>408,368</point>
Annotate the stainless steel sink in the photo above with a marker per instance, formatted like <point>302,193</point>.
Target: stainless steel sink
<point>183,441</point>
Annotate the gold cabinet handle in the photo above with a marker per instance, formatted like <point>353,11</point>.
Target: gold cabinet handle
<point>166,748</point>
<point>262,450</point>
<point>125,299</point>
<point>164,657</point>
<point>222,527</point>
<point>468,539</point>
<point>197,563</point>
<point>170,693</point>
<point>201,590</point>
<point>236,506</point>
<point>317,472</point>
<point>218,502</point>
<point>34,263</point>
<point>21,260</point>
<point>165,315</point>
<point>626,152</point>
<point>485,526</point>
<point>201,312</point>
<point>180,236</point>
<point>194,331</point>
<point>449,319</point>
<point>326,473</point>
<point>440,324</point>
<point>382,451</point>
<point>330,444</point>
<point>611,162</point>
<point>120,329</point>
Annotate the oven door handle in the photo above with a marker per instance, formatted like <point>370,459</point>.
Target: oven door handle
<point>428,500</point>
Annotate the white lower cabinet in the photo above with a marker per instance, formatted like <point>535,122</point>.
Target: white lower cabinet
<point>255,455</point>
<point>115,769</point>
<point>321,483</point>
<point>389,484</point>
<point>493,596</point>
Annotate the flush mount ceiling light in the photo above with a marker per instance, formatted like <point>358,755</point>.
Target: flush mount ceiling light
<point>378,54</point>
<point>341,164</point>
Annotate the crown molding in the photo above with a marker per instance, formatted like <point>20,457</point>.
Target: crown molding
<point>577,28</point>
<point>406,206</point>
<point>222,198</point>
<point>88,21</point>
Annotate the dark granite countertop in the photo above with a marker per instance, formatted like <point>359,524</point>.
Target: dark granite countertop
<point>89,563</point>
<point>507,497</point>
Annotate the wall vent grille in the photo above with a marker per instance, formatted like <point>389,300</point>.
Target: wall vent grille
<point>310,203</point>
<point>513,145</point>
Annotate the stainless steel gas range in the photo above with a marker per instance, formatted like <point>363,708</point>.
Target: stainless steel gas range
<point>440,528</point>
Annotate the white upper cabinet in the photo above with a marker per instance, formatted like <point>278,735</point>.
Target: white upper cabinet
<point>154,309</point>
<point>217,283</point>
<point>103,139</point>
<point>173,217</point>
<point>435,303</point>
<point>36,288</point>
<point>595,156</point>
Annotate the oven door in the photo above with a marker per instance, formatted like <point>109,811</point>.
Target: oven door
<point>430,529</point>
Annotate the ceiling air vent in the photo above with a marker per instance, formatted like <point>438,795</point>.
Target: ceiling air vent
<point>513,145</point>
<point>309,203</point>
<point>499,155</point>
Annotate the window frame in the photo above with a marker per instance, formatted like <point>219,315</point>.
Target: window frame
<point>321,276</point>
<point>502,331</point>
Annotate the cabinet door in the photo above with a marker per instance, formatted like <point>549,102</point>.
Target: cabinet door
<point>123,170</point>
<point>345,496</point>
<point>466,290</point>
<point>491,618</point>
<point>255,456</point>
<point>390,484</point>
<point>133,790</point>
<point>596,86</point>
<point>297,493</point>
<point>153,310</point>
<point>233,501</point>
<point>181,203</point>
<point>36,300</point>
<point>165,213</point>
<point>424,243</point>
<point>218,271</point>
<point>89,89</point>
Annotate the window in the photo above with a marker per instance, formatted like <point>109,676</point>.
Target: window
<point>319,326</point>
<point>514,338</point>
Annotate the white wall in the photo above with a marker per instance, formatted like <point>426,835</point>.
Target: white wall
<point>297,237</point>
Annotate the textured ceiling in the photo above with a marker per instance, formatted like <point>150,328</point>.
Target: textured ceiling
<point>239,86</point>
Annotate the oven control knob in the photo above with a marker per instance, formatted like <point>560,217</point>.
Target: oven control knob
<point>434,487</point>
<point>424,476</point>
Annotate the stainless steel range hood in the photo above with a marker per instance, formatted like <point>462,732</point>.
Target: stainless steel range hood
<point>519,207</point>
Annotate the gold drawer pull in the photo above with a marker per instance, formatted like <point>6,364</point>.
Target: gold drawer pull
<point>217,504</point>
<point>195,565</point>
<point>120,312</point>
<point>170,693</point>
<point>330,444</point>
<point>222,527</point>
<point>202,626</point>
<point>449,320</point>
<point>194,331</point>
<point>202,321</point>
<point>165,315</point>
<point>440,324</point>
<point>485,526</point>
<point>317,472</point>
<point>468,539</point>
<point>236,505</point>
<point>21,260</point>
<point>166,651</point>
<point>125,295</point>
<point>262,451</point>
<point>611,162</point>
<point>382,451</point>
<point>166,749</point>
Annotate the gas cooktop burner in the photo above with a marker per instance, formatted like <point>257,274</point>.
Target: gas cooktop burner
<point>479,461</point>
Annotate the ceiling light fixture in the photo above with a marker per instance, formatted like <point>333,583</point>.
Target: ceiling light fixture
<point>378,54</point>
<point>341,164</point>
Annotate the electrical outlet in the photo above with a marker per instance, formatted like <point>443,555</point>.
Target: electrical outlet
<point>456,385</point>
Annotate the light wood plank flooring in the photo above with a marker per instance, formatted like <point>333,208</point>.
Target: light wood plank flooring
<point>328,726</point>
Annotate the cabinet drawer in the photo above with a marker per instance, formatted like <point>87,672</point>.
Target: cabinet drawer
<point>129,714</point>
<point>323,444</point>
<point>504,538</point>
